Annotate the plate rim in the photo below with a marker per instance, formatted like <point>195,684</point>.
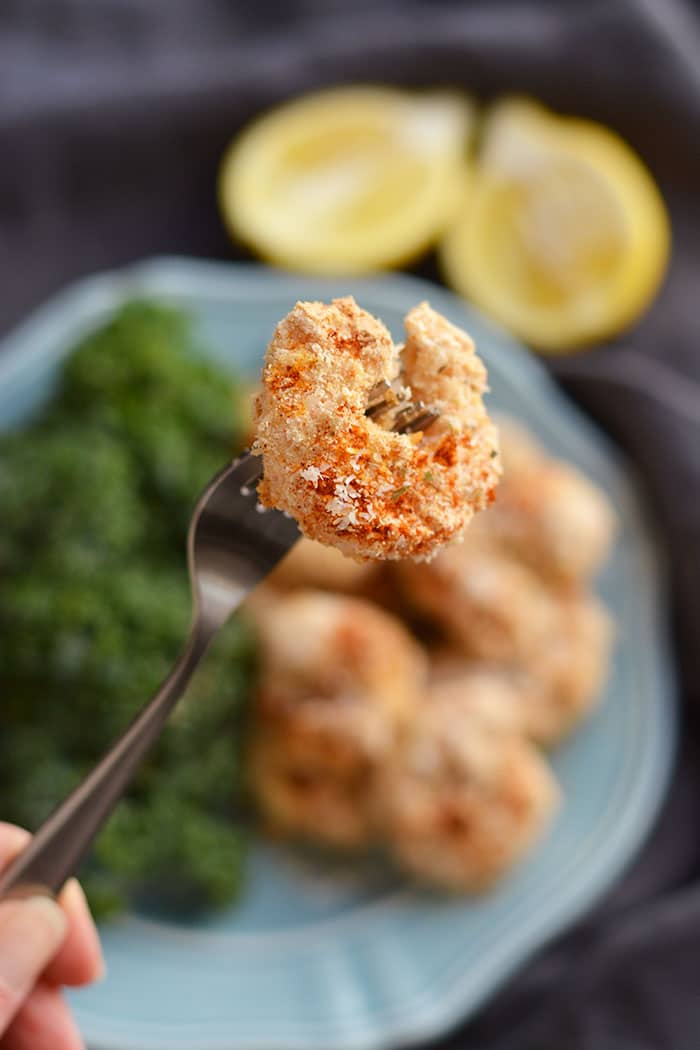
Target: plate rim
<point>75,308</point>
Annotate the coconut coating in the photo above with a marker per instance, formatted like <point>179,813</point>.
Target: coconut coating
<point>462,800</point>
<point>339,682</point>
<point>348,481</point>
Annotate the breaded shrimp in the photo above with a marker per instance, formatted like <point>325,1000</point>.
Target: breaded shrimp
<point>311,564</point>
<point>545,695</point>
<point>349,482</point>
<point>547,513</point>
<point>487,604</point>
<point>462,801</point>
<point>339,682</point>
<point>490,693</point>
<point>562,682</point>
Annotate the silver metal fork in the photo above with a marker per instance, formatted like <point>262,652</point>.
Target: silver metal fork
<point>231,547</point>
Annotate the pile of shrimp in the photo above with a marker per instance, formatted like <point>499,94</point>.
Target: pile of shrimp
<point>411,705</point>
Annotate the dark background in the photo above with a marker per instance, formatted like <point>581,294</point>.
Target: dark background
<point>113,117</point>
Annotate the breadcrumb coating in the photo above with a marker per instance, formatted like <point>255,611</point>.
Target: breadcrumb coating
<point>547,694</point>
<point>563,682</point>
<point>350,483</point>
<point>354,742</point>
<point>463,800</point>
<point>340,681</point>
<point>311,564</point>
<point>547,514</point>
<point>489,605</point>
<point>490,693</point>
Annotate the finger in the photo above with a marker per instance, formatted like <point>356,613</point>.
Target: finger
<point>31,932</point>
<point>12,841</point>
<point>43,1022</point>
<point>79,959</point>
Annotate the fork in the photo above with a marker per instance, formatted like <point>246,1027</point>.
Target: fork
<point>232,544</point>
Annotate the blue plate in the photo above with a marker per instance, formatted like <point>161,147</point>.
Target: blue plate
<point>354,958</point>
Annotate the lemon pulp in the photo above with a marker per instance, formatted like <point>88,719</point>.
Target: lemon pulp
<point>564,237</point>
<point>347,180</point>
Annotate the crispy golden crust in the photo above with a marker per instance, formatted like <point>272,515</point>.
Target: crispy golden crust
<point>562,683</point>
<point>350,483</point>
<point>546,513</point>
<point>546,694</point>
<point>489,693</point>
<point>462,801</point>
<point>487,604</point>
<point>339,682</point>
<point>311,564</point>
<point>352,743</point>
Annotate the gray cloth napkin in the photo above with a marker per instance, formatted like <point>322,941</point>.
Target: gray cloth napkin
<point>113,116</point>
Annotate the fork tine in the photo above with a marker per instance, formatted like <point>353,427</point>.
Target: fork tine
<point>379,397</point>
<point>423,417</point>
<point>392,399</point>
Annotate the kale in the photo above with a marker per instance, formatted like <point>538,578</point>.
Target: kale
<point>169,851</point>
<point>172,407</point>
<point>67,502</point>
<point>95,606</point>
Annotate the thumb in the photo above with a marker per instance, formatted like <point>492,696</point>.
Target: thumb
<point>31,932</point>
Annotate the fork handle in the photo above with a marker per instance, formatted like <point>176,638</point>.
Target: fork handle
<point>58,846</point>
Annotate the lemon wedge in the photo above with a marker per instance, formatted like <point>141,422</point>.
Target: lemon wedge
<point>347,180</point>
<point>564,237</point>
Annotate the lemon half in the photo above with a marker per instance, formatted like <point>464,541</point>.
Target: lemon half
<point>564,237</point>
<point>347,180</point>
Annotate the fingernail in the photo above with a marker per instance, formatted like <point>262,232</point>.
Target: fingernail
<point>14,840</point>
<point>73,896</point>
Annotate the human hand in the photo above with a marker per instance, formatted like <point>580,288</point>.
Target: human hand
<point>43,945</point>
